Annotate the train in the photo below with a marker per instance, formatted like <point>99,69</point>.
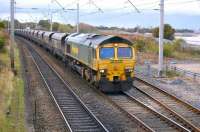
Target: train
<point>106,61</point>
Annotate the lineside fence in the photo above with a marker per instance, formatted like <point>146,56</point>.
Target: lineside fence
<point>183,72</point>
<point>149,71</point>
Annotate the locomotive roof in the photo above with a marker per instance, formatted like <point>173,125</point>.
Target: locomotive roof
<point>32,31</point>
<point>59,36</point>
<point>41,32</point>
<point>47,34</point>
<point>35,31</point>
<point>94,40</point>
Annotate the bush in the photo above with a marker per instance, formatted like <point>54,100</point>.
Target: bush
<point>2,43</point>
<point>168,32</point>
<point>177,44</point>
<point>177,49</point>
<point>151,46</point>
<point>140,45</point>
<point>146,45</point>
<point>171,74</point>
<point>2,25</point>
<point>168,50</point>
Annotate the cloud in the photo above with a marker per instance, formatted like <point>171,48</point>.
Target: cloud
<point>171,6</point>
<point>117,13</point>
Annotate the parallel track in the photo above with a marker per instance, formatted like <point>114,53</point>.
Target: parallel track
<point>79,118</point>
<point>74,112</point>
<point>161,108</point>
<point>151,118</point>
<point>188,115</point>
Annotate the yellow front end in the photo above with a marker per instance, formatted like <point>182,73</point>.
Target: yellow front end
<point>117,66</point>
<point>116,69</point>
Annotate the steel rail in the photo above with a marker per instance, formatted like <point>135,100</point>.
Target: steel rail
<point>50,92</point>
<point>69,88</point>
<point>164,91</point>
<point>132,117</point>
<point>188,111</point>
<point>181,118</point>
<point>181,128</point>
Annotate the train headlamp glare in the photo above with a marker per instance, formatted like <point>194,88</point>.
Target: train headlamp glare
<point>129,70</point>
<point>102,71</point>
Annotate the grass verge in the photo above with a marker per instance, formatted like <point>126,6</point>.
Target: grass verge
<point>11,94</point>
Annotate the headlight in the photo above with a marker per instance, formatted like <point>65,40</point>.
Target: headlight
<point>102,71</point>
<point>129,70</point>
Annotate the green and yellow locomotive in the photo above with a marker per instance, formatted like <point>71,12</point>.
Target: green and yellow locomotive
<point>104,60</point>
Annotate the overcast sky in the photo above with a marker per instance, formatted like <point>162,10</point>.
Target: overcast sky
<point>179,13</point>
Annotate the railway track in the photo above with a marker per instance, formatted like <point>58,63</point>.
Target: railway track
<point>142,124</point>
<point>74,112</point>
<point>148,116</point>
<point>171,106</point>
<point>161,108</point>
<point>160,119</point>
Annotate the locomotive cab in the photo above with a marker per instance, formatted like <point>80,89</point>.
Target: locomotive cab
<point>116,66</point>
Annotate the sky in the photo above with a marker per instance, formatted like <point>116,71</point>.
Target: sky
<point>178,13</point>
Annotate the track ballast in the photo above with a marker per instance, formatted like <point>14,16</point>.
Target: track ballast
<point>75,113</point>
<point>187,112</point>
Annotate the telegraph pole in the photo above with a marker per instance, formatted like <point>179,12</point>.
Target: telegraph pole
<point>161,34</point>
<point>77,30</point>
<point>12,39</point>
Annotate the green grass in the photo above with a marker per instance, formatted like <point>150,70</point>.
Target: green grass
<point>11,95</point>
<point>171,74</point>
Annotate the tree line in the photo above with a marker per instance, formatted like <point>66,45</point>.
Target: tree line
<point>169,31</point>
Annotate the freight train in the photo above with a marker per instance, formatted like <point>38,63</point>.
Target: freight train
<point>106,61</point>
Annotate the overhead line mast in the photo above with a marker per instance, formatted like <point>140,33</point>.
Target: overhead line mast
<point>12,37</point>
<point>161,35</point>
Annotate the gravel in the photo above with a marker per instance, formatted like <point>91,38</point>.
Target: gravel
<point>41,113</point>
<point>112,118</point>
<point>182,87</point>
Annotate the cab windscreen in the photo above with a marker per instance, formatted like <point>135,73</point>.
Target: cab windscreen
<point>107,53</point>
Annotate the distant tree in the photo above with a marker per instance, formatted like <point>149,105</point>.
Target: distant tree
<point>55,26</point>
<point>2,25</point>
<point>168,32</point>
<point>65,28</point>
<point>44,24</point>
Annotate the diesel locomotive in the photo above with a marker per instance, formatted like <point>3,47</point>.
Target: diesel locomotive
<point>106,61</point>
